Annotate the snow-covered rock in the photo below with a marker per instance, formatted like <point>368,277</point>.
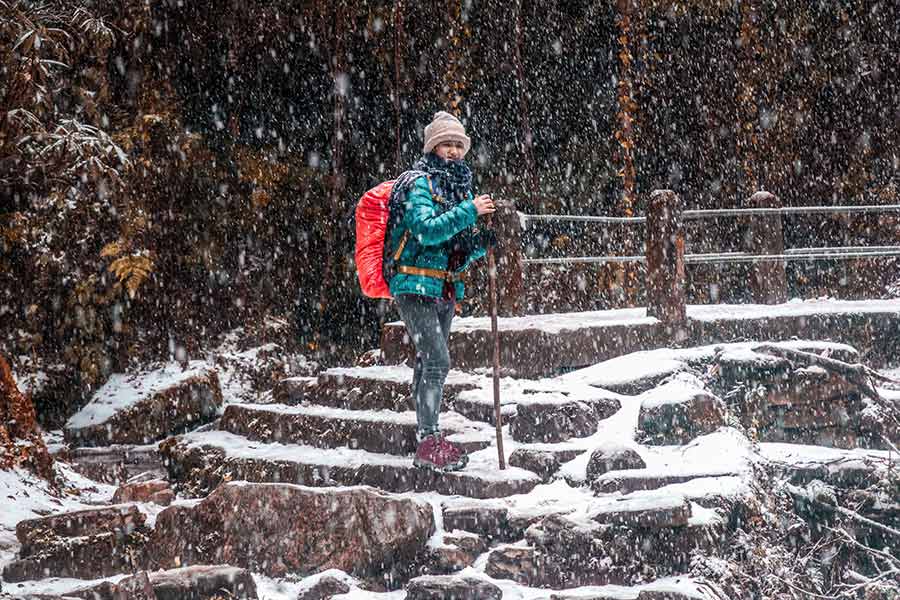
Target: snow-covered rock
<point>284,528</point>
<point>137,409</point>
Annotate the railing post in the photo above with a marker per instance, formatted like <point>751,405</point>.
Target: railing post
<point>764,235</point>
<point>509,259</point>
<point>665,258</point>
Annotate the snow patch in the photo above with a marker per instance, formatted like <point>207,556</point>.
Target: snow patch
<point>123,391</point>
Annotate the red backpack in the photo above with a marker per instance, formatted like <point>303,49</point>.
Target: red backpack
<point>372,215</point>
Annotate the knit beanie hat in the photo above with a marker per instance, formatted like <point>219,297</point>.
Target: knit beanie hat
<point>444,128</point>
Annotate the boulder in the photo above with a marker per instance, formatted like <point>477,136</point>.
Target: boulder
<point>490,522</point>
<point>677,412</point>
<point>201,582</point>
<point>563,552</point>
<point>362,388</point>
<point>157,491</point>
<point>645,513</point>
<point>545,464</point>
<point>516,563</point>
<point>139,409</point>
<point>324,588</point>
<point>459,550</point>
<point>40,533</point>
<point>284,528</point>
<point>136,587</point>
<point>449,587</point>
<point>553,417</point>
<point>84,544</point>
<point>604,460</point>
<point>90,557</point>
<point>114,464</point>
<point>258,369</point>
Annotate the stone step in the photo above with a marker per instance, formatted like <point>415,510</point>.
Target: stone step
<point>382,432</point>
<point>561,551</point>
<point>366,388</point>
<point>201,461</point>
<point>112,464</point>
<point>569,341</point>
<point>43,533</point>
<point>86,557</point>
<point>633,480</point>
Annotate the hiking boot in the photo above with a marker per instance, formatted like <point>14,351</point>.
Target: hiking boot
<point>436,453</point>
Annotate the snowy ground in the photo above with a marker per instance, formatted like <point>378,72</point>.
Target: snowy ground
<point>720,459</point>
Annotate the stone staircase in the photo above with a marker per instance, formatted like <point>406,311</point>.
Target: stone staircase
<point>570,511</point>
<point>353,427</point>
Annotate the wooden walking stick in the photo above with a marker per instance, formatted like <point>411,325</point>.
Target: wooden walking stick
<point>492,285</point>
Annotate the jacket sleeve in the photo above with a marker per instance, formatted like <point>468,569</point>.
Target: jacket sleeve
<point>424,222</point>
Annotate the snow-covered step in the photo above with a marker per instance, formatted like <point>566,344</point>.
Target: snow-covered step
<point>547,344</point>
<point>576,550</point>
<point>633,480</point>
<point>366,388</point>
<point>112,464</point>
<point>384,432</point>
<point>855,468</point>
<point>202,460</point>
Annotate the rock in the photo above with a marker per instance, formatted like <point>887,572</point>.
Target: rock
<point>466,541</point>
<point>258,369</point>
<point>491,522</point>
<point>201,461</point>
<point>136,587</point>
<point>363,389</point>
<point>200,582</point>
<point>84,544</point>
<point>326,587</point>
<point>114,464</point>
<point>157,491</point>
<point>449,587</point>
<point>676,413</point>
<point>626,482</point>
<point>460,549</point>
<point>140,409</point>
<point>513,562</point>
<point>551,418</point>
<point>563,552</point>
<point>284,528</point>
<point>604,460</point>
<point>91,557</point>
<point>543,463</point>
<point>101,591</point>
<point>40,533</point>
<point>637,512</point>
<point>664,595</point>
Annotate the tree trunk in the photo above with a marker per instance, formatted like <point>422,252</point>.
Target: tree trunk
<point>527,136</point>
<point>336,183</point>
<point>625,136</point>
<point>21,444</point>
<point>398,81</point>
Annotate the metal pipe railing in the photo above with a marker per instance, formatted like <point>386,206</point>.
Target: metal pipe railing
<point>722,212</point>
<point>795,254</point>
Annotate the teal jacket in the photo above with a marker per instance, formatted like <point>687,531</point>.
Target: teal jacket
<point>431,225</point>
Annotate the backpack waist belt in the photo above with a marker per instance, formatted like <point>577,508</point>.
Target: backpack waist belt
<point>436,273</point>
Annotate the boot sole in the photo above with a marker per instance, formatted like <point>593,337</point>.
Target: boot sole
<point>422,464</point>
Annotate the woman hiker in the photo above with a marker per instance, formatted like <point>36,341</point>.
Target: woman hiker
<point>434,243</point>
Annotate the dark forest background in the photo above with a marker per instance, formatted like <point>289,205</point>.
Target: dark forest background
<point>172,170</point>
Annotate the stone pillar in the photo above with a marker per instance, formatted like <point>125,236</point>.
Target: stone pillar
<point>509,258</point>
<point>665,258</point>
<point>763,235</point>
